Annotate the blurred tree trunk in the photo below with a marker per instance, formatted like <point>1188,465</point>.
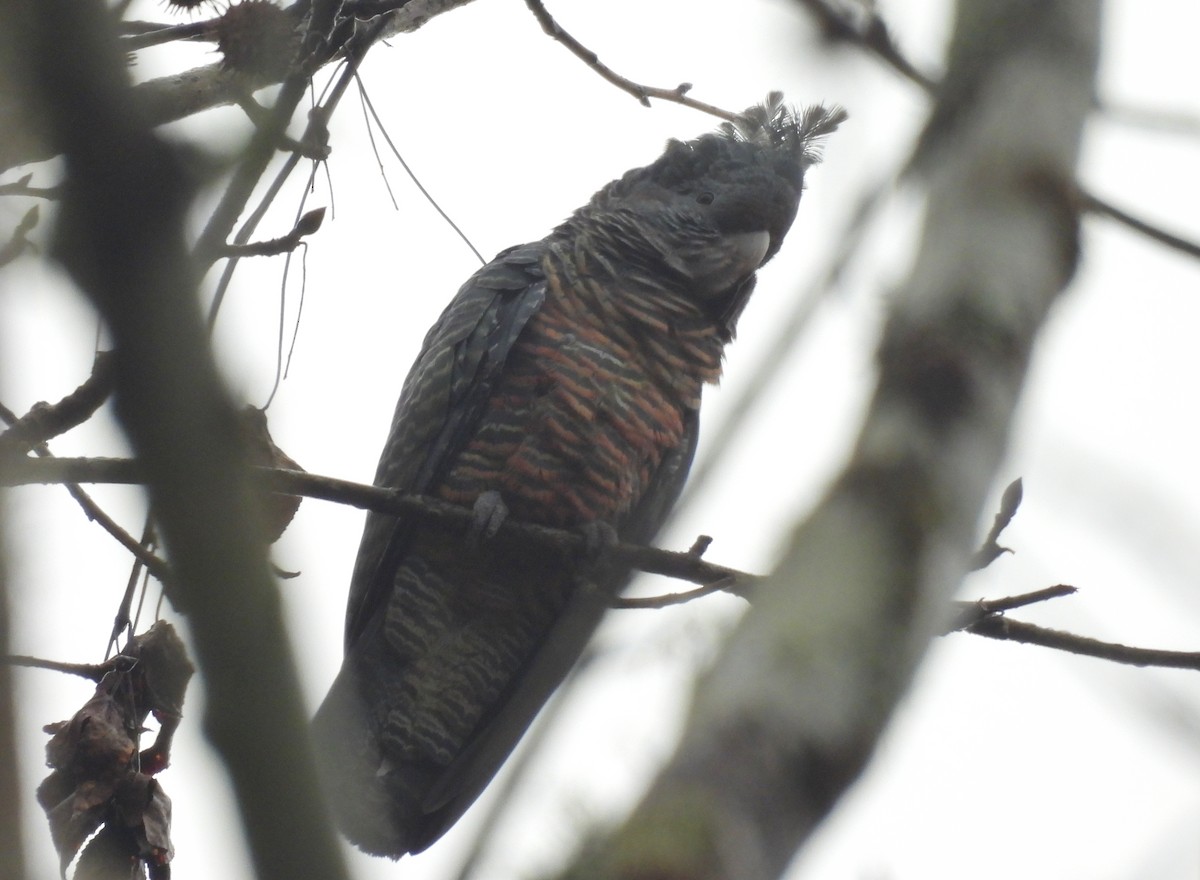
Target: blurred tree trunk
<point>791,712</point>
<point>119,232</point>
<point>12,863</point>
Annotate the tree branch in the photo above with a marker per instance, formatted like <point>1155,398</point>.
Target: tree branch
<point>971,613</point>
<point>44,420</point>
<point>90,671</point>
<point>677,95</point>
<point>217,231</point>
<point>22,188</point>
<point>983,617</point>
<point>1009,630</point>
<point>178,96</point>
<point>1097,205</point>
<point>78,406</point>
<point>870,33</point>
<point>873,36</point>
<point>306,225</point>
<point>687,566</point>
<point>154,34</point>
<point>669,599</point>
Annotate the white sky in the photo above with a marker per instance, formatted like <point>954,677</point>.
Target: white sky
<point>1005,760</point>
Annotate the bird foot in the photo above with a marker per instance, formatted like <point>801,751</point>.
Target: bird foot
<point>599,538</point>
<point>489,513</point>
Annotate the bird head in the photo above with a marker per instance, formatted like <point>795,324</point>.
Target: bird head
<point>711,210</point>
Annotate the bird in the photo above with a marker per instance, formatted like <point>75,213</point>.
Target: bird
<point>561,386</point>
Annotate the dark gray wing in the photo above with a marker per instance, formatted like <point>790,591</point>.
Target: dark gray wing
<point>446,392</point>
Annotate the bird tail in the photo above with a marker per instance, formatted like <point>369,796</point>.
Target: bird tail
<point>351,770</point>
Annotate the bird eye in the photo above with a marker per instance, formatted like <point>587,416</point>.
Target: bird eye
<point>705,198</point>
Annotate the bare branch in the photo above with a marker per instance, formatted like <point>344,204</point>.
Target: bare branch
<point>242,186</point>
<point>677,95</point>
<point>44,420</point>
<point>1165,121</point>
<point>90,671</point>
<point>1006,629</point>
<point>306,225</point>
<point>156,35</point>
<point>683,566</point>
<point>22,188</point>
<point>315,144</point>
<point>669,599</point>
<point>983,617</point>
<point>177,96</point>
<point>369,107</point>
<point>254,160</point>
<point>871,33</point>
<point>1097,205</point>
<point>970,613</point>
<point>91,509</point>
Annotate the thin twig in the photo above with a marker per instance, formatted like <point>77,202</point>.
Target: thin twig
<point>970,613</point>
<point>186,93</point>
<point>668,599</point>
<point>261,149</point>
<point>677,95</point>
<point>1097,205</point>
<point>1164,121</point>
<point>370,129</point>
<point>413,177</point>
<point>156,36</point>
<point>1006,629</point>
<point>306,225</point>
<point>255,158</point>
<point>90,671</point>
<point>91,509</point>
<point>316,132</point>
<point>137,573</point>
<point>20,243</point>
<point>873,36</point>
<point>45,421</point>
<point>870,33</point>
<point>316,149</point>
<point>22,188</point>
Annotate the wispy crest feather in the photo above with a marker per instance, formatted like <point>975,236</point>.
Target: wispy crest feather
<point>782,126</point>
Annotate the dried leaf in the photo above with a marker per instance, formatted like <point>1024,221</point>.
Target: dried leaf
<point>261,448</point>
<point>99,781</point>
<point>110,855</point>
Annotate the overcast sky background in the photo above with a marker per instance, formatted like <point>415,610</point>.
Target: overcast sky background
<point>1005,760</point>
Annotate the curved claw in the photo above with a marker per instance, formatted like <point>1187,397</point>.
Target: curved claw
<point>490,512</point>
